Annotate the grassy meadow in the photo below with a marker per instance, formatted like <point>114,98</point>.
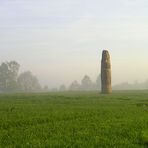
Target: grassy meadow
<point>74,120</point>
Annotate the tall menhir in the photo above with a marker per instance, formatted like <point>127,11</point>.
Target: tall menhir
<point>106,73</point>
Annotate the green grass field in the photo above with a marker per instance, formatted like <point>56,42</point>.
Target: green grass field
<point>74,120</point>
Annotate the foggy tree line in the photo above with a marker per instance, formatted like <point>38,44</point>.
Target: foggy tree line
<point>131,86</point>
<point>12,81</point>
<point>85,84</point>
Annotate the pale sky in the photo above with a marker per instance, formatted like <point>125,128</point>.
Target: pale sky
<point>62,40</point>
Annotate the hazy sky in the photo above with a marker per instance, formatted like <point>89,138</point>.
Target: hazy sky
<point>62,40</point>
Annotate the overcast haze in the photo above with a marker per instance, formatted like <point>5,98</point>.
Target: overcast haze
<point>62,40</point>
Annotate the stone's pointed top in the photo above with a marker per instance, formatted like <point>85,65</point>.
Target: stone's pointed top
<point>105,51</point>
<point>105,54</point>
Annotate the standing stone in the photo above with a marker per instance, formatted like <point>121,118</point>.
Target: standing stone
<point>106,73</point>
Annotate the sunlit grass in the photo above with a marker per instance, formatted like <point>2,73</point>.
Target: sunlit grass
<point>74,119</point>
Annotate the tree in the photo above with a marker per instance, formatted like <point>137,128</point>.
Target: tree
<point>86,83</point>
<point>62,88</point>
<point>28,82</point>
<point>74,86</point>
<point>46,89</point>
<point>98,82</point>
<point>8,76</point>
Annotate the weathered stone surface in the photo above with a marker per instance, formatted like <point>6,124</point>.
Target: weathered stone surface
<point>106,73</point>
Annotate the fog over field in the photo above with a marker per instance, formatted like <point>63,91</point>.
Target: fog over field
<point>62,40</point>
